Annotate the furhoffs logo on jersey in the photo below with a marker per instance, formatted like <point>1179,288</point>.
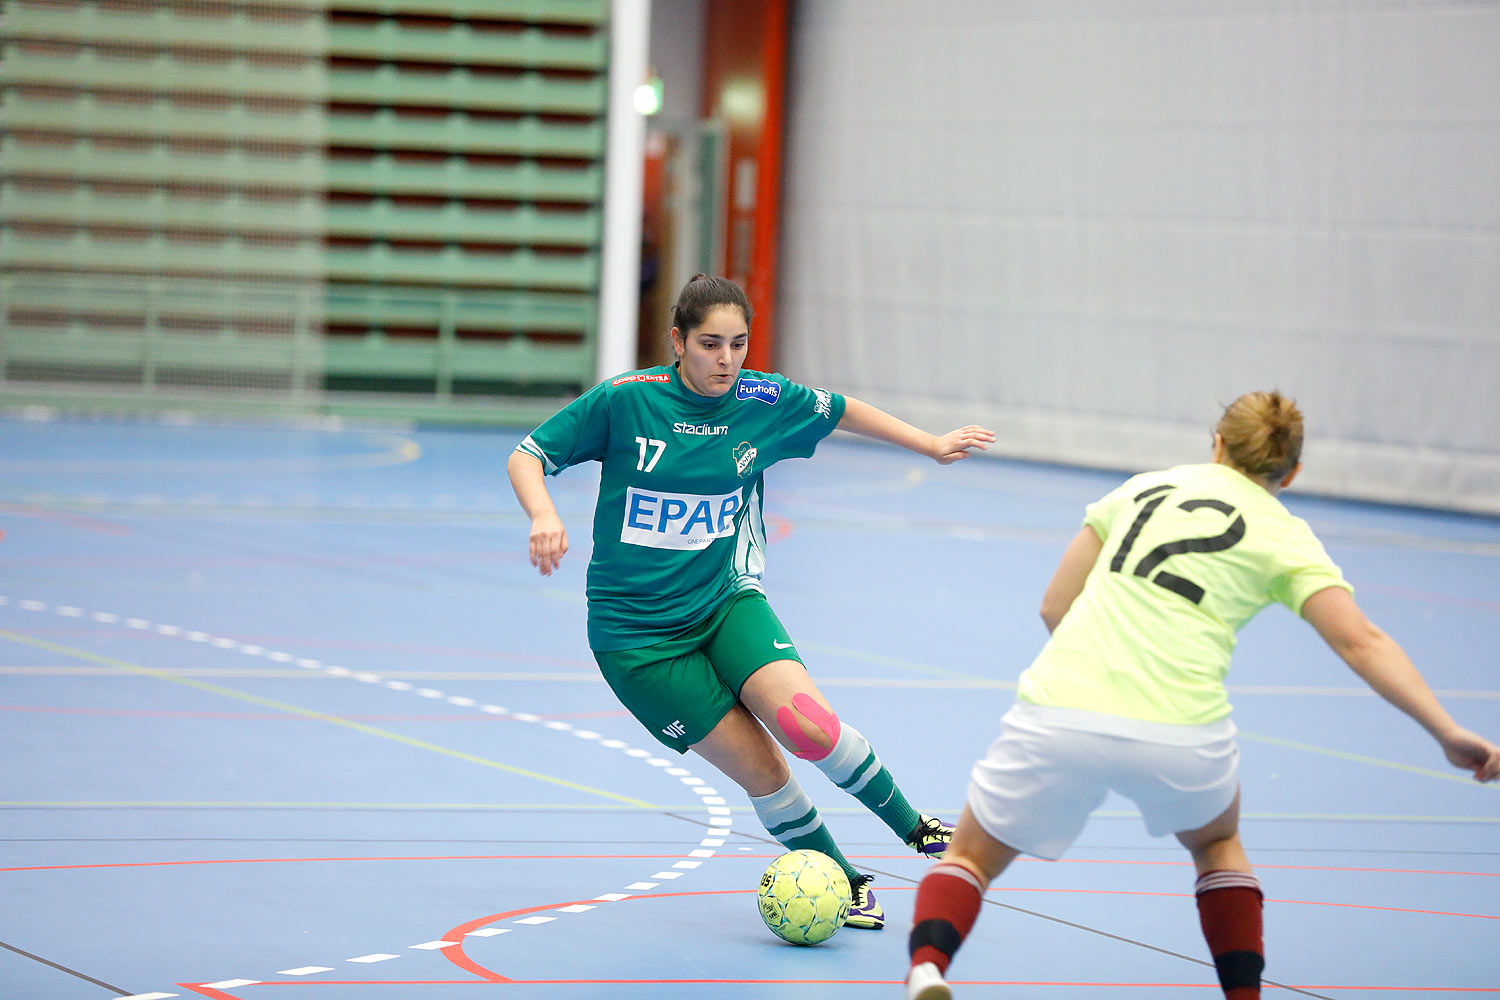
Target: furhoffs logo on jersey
<point>763,389</point>
<point>659,377</point>
<point>744,457</point>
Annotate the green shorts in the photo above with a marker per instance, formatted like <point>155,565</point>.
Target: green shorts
<point>680,688</point>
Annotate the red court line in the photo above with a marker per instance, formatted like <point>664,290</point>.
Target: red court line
<point>207,991</point>
<point>486,976</point>
<point>460,958</point>
<point>1178,864</point>
<point>1001,982</point>
<point>1182,895</point>
<point>347,645</point>
<point>219,995</point>
<point>469,964</point>
<point>1290,868</point>
<point>751,857</point>
<point>1430,597</point>
<point>457,955</point>
<point>422,857</point>
<point>630,857</point>
<point>71,520</point>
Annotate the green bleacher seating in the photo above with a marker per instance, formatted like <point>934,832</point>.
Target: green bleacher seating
<point>302,195</point>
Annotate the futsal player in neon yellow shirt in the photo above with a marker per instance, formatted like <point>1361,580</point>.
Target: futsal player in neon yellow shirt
<point>1128,693</point>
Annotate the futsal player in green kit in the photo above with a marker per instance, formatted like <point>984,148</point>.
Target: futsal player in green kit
<point>1128,694</point>
<point>677,618</point>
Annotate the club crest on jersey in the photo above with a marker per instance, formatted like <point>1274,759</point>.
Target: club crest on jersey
<point>763,389</point>
<point>744,458</point>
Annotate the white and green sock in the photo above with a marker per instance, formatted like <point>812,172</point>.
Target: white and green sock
<point>855,767</point>
<point>789,816</point>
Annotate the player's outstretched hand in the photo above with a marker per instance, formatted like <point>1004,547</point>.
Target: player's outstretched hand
<point>1473,752</point>
<point>956,444</point>
<point>549,542</point>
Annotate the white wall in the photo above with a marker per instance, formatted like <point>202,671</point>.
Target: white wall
<point>677,56</point>
<point>1092,222</point>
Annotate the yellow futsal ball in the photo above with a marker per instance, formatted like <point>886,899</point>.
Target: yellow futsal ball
<point>804,897</point>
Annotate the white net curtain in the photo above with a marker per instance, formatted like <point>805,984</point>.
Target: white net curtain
<point>1093,222</point>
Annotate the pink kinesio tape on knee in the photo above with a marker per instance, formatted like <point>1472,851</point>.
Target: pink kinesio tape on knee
<point>818,716</point>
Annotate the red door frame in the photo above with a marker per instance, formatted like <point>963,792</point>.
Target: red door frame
<point>744,75</point>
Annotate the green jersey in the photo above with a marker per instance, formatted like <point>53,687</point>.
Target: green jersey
<point>678,527</point>
<point>1190,555</point>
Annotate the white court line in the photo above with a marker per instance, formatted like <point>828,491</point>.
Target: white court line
<point>694,784</point>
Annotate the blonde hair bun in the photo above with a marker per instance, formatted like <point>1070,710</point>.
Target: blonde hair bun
<point>1262,434</point>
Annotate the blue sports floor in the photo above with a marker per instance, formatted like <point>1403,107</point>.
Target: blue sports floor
<point>286,714</point>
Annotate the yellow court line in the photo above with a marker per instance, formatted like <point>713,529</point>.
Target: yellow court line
<point>1360,758</point>
<point>394,449</point>
<point>308,713</point>
<point>892,661</point>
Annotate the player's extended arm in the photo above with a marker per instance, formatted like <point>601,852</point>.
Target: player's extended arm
<point>1071,574</point>
<point>549,539</point>
<point>1381,663</point>
<point>869,421</point>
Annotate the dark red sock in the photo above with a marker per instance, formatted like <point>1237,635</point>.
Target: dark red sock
<point>947,905</point>
<point>1229,905</point>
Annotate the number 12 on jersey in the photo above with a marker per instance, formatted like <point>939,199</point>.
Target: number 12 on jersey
<point>1154,498</point>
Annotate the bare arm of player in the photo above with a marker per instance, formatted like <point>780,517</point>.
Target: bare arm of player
<point>1072,572</point>
<point>1381,663</point>
<point>549,539</point>
<point>872,422</point>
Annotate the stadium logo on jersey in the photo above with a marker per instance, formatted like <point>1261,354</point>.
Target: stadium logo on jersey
<point>703,430</point>
<point>677,520</point>
<point>744,458</point>
<point>763,389</point>
<point>824,405</point>
<point>659,377</point>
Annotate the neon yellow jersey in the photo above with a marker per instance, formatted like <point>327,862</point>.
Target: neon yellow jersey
<point>1190,555</point>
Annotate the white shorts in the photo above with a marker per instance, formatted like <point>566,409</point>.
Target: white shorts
<point>1035,788</point>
